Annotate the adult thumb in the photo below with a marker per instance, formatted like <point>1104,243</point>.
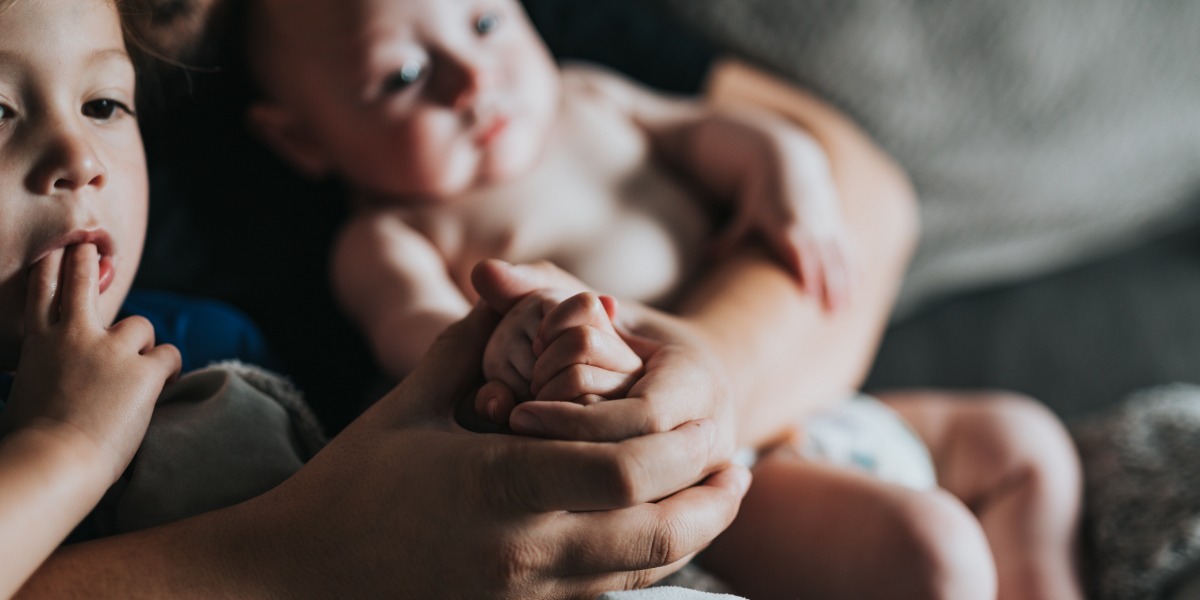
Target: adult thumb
<point>502,285</point>
<point>450,370</point>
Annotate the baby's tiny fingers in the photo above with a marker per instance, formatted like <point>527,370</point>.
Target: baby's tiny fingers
<point>585,309</point>
<point>494,402</point>
<point>40,310</point>
<point>839,276</point>
<point>811,281</point>
<point>584,346</point>
<point>585,380</point>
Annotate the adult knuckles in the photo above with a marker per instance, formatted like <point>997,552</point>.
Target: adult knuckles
<point>625,478</point>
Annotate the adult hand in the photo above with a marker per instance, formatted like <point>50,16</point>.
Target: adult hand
<point>408,502</point>
<point>682,381</point>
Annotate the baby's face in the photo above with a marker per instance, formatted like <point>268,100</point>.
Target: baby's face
<point>406,98</point>
<point>71,164</point>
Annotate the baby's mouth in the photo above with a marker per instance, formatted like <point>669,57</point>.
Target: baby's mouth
<point>491,131</point>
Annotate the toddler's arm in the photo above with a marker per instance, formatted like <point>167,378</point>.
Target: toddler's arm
<point>776,172</point>
<point>394,284</point>
<point>80,404</point>
<point>544,349</point>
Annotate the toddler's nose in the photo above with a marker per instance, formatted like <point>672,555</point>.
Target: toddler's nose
<point>69,164</point>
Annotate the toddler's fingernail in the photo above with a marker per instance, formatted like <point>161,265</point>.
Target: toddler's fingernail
<point>493,408</point>
<point>526,422</point>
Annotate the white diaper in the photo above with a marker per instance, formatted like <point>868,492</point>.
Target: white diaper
<point>864,434</point>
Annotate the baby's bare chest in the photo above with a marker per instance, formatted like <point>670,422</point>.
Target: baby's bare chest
<point>598,204</point>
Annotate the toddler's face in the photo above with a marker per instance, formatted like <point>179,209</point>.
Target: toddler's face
<point>406,97</point>
<point>71,164</point>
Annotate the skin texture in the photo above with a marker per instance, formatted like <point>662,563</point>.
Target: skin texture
<point>72,217</point>
<point>406,503</point>
<point>463,141</point>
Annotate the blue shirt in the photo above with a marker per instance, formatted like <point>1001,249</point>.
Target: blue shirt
<point>204,330</point>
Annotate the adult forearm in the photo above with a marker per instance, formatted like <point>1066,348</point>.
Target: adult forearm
<point>229,553</point>
<point>785,353</point>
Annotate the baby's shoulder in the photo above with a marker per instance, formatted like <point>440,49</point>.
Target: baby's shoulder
<point>590,82</point>
<point>371,234</point>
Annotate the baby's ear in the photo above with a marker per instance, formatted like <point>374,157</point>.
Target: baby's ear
<point>289,137</point>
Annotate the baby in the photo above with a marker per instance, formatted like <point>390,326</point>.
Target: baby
<point>73,194</point>
<point>461,141</point>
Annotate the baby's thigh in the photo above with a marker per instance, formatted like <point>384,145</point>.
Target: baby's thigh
<point>814,530</point>
<point>981,441</point>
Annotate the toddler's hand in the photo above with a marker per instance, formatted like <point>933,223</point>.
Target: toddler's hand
<point>92,384</point>
<point>793,203</point>
<point>566,351</point>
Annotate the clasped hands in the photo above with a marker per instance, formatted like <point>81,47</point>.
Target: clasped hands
<point>611,495</point>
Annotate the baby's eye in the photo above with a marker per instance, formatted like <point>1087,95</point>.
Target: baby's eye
<point>487,23</point>
<point>6,112</point>
<point>104,109</point>
<point>408,74</point>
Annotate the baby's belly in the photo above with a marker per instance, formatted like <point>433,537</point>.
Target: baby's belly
<point>652,245</point>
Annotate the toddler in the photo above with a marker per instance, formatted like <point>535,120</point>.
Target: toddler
<point>73,195</point>
<point>460,141</point>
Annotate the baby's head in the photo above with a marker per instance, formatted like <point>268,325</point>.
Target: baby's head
<point>402,99</point>
<point>72,169</point>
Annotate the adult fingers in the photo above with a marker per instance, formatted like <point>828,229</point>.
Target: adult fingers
<point>40,311</point>
<point>80,287</point>
<point>672,390</point>
<point>584,346</point>
<point>540,476</point>
<point>502,285</point>
<point>655,537</point>
<point>448,372</point>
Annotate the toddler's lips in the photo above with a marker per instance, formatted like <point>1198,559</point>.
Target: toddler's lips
<point>107,273</point>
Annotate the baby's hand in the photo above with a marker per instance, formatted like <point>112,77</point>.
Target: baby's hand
<point>86,382</point>
<point>793,203</point>
<point>574,354</point>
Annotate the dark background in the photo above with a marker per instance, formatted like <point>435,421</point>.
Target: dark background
<point>229,221</point>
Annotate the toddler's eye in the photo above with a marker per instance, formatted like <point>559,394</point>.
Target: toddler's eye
<point>104,109</point>
<point>408,74</point>
<point>486,23</point>
<point>5,112</point>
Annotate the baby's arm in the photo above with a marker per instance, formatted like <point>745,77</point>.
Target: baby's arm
<point>80,404</point>
<point>395,286</point>
<point>778,174</point>
<point>549,350</point>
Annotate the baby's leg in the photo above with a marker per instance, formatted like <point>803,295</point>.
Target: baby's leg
<point>1012,461</point>
<point>810,530</point>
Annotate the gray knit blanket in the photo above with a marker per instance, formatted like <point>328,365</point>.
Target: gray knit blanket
<point>1038,133</point>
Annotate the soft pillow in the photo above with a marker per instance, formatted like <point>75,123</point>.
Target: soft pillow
<point>1038,132</point>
